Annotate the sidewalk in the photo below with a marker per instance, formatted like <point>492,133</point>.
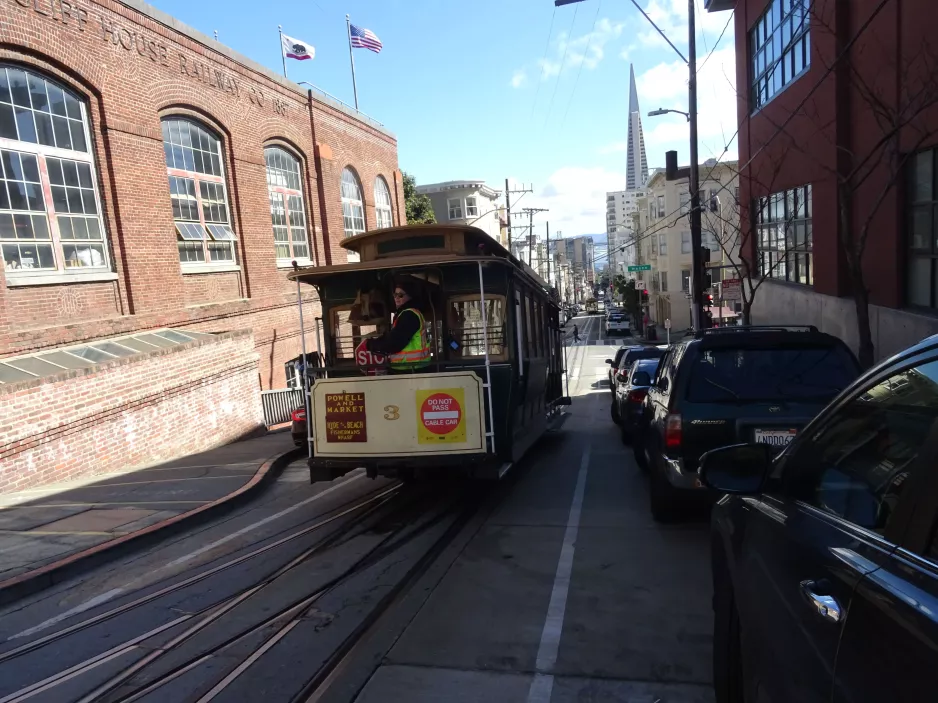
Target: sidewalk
<point>45,533</point>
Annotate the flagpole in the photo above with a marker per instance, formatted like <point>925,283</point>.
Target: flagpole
<point>351,56</point>
<point>283,55</point>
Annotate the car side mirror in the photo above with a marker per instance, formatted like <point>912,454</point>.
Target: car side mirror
<point>739,468</point>
<point>609,361</point>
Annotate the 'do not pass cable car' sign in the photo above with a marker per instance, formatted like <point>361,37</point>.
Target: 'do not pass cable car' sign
<point>440,416</point>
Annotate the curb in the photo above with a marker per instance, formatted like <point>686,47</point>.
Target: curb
<point>31,582</point>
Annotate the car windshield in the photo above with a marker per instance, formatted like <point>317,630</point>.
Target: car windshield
<point>733,375</point>
<point>649,366</point>
<point>632,356</point>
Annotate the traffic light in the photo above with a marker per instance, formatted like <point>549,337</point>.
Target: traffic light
<point>708,300</point>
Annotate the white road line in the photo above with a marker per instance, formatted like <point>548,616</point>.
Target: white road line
<point>543,684</point>
<point>104,597</point>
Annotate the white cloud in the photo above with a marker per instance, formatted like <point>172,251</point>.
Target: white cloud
<point>665,85</point>
<point>613,148</point>
<point>576,197</point>
<point>671,17</point>
<point>518,78</point>
<point>587,49</point>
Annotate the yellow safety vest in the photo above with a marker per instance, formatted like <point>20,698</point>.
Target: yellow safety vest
<point>416,354</point>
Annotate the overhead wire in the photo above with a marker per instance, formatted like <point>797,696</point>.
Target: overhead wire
<point>580,69</point>
<point>550,33</point>
<point>719,39</point>
<point>563,61</point>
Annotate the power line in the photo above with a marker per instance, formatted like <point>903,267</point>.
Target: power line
<point>563,60</point>
<point>719,39</point>
<point>540,80</point>
<point>580,70</point>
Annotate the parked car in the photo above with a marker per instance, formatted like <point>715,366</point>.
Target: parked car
<point>630,394</point>
<point>618,324</point>
<point>298,426</point>
<point>631,355</point>
<point>614,363</point>
<point>843,521</point>
<point>731,385</point>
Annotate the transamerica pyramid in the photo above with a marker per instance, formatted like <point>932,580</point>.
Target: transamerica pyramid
<point>637,170</point>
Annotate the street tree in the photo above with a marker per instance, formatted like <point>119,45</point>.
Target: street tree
<point>418,208</point>
<point>891,121</point>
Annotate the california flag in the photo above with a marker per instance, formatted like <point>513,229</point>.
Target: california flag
<point>296,49</point>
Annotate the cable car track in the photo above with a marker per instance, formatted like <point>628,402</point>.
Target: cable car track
<point>381,508</point>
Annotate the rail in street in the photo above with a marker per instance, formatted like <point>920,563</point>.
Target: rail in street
<point>554,585</point>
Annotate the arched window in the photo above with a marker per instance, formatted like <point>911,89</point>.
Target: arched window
<point>44,151</point>
<point>198,193</point>
<point>353,211</point>
<point>284,186</point>
<point>383,203</point>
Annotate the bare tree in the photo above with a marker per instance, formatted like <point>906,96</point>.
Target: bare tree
<point>893,114</point>
<point>749,262</point>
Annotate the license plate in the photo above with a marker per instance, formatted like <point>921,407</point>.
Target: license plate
<point>777,438</point>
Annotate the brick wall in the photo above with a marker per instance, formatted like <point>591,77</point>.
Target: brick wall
<point>130,412</point>
<point>133,65</point>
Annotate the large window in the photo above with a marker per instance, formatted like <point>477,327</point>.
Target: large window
<point>472,208</point>
<point>663,244</point>
<point>785,237</point>
<point>285,189</point>
<point>198,193</point>
<point>454,205</point>
<point>50,214</point>
<point>383,203</point>
<point>353,211</point>
<point>685,243</point>
<point>468,334</point>
<point>922,227</point>
<point>779,48</point>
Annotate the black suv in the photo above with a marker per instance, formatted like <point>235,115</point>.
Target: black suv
<point>825,557</point>
<point>619,371</point>
<point>731,385</point>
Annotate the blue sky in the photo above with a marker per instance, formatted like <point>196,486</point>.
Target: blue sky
<point>477,90</point>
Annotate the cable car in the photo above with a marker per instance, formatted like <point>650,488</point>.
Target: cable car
<point>494,383</point>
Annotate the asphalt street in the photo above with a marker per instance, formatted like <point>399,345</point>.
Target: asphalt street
<point>557,586</point>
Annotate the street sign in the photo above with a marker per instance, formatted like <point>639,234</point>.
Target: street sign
<point>732,289</point>
<point>667,324</point>
<point>640,267</point>
<point>639,285</point>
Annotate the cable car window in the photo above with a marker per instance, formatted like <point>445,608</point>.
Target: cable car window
<point>346,336</point>
<point>530,345</point>
<point>464,320</point>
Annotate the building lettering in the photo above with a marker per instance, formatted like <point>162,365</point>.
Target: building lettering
<point>60,10</point>
<point>127,40</point>
<point>208,75</point>
<point>70,12</point>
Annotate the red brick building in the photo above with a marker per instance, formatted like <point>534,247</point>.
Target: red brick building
<point>837,131</point>
<point>152,178</point>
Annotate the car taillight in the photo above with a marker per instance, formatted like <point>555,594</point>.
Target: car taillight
<point>637,395</point>
<point>672,431</point>
<point>298,415</point>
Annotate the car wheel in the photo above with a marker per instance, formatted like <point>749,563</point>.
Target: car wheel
<point>727,649</point>
<point>662,498</point>
<point>638,450</point>
<point>614,410</point>
<point>624,434</point>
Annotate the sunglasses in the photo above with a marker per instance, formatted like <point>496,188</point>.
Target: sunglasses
<point>399,294</point>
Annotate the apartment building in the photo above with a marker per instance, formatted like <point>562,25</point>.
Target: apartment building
<point>663,239</point>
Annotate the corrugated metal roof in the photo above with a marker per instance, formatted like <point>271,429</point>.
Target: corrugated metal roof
<point>80,356</point>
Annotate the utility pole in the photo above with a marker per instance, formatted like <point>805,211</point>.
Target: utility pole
<point>697,279</point>
<point>547,224</point>
<point>531,211</point>
<point>508,193</point>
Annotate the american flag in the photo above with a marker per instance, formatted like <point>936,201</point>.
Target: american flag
<point>365,39</point>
